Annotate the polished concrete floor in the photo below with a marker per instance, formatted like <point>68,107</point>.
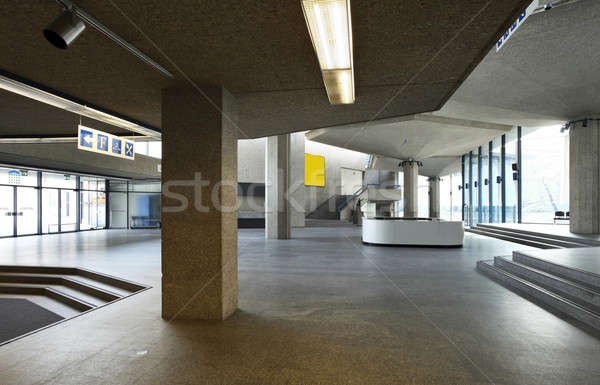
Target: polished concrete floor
<point>320,308</point>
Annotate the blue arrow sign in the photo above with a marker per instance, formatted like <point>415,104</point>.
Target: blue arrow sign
<point>104,143</point>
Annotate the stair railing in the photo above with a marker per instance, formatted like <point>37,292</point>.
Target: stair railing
<point>360,191</point>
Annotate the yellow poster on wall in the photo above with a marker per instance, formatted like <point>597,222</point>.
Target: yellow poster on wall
<point>314,170</point>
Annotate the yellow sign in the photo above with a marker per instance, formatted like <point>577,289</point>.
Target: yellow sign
<point>314,170</point>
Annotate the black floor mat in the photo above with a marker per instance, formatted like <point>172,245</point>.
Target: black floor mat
<point>19,316</point>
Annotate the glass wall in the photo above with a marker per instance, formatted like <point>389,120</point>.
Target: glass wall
<point>496,181</point>
<point>511,183</point>
<point>68,210</point>
<point>40,202</point>
<point>456,192</point>
<point>446,197</point>
<point>150,148</point>
<point>545,173</point>
<point>7,207</point>
<point>27,210</point>
<point>484,182</point>
<point>50,211</point>
<point>521,176</point>
<point>92,203</point>
<point>144,204</point>
<point>18,202</point>
<point>474,185</point>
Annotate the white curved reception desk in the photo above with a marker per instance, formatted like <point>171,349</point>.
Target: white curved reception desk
<point>412,232</point>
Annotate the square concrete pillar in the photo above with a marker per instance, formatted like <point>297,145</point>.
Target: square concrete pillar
<point>199,218</point>
<point>411,188</point>
<point>584,177</point>
<point>278,212</point>
<point>434,197</point>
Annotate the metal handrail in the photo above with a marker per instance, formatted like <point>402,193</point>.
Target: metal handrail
<point>359,191</point>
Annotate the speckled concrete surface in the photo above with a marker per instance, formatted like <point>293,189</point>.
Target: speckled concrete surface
<point>319,308</point>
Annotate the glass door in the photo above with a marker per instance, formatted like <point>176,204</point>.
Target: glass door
<point>27,210</point>
<point>49,210</point>
<point>7,208</point>
<point>68,210</point>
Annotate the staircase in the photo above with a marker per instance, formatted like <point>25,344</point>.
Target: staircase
<point>570,291</point>
<point>327,209</point>
<point>530,238</point>
<point>79,289</point>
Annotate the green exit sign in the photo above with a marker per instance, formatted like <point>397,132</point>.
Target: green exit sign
<point>67,177</point>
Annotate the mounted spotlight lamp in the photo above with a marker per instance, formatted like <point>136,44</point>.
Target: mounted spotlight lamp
<point>72,22</point>
<point>64,30</point>
<point>330,28</point>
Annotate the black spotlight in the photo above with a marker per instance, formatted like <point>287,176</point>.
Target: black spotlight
<point>64,30</point>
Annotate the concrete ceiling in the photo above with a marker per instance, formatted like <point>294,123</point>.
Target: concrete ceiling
<point>411,55</point>
<point>434,166</point>
<point>23,117</point>
<point>415,137</point>
<point>547,73</point>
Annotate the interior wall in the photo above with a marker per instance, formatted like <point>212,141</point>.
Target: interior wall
<point>351,180</point>
<point>335,159</point>
<point>251,169</point>
<point>305,199</point>
<point>251,160</point>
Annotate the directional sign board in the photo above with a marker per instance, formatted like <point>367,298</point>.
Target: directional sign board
<point>513,28</point>
<point>89,139</point>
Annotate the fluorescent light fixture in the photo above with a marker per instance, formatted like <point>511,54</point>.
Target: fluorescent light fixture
<point>28,91</point>
<point>330,28</point>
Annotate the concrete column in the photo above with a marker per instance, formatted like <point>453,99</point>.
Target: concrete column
<point>584,177</point>
<point>411,189</point>
<point>199,218</point>
<point>297,187</point>
<point>278,213</point>
<point>434,197</point>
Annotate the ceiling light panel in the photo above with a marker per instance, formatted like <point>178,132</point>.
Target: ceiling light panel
<point>330,28</point>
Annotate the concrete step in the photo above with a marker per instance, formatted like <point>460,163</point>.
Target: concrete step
<point>78,288</point>
<point>526,242</point>
<point>547,297</point>
<point>583,296</point>
<point>46,279</point>
<point>69,300</point>
<point>583,277</point>
<point>106,279</point>
<point>535,238</point>
<point>584,241</point>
